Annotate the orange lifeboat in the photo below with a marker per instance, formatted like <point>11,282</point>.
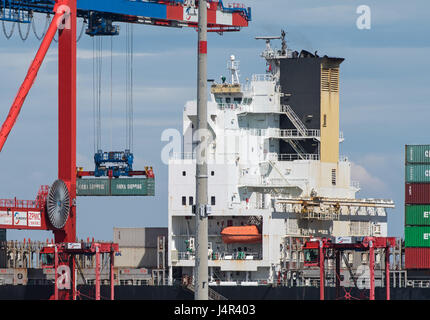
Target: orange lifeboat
<point>241,234</point>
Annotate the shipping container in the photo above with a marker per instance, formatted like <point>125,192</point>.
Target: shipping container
<point>417,193</point>
<point>418,153</point>
<point>417,173</point>
<point>417,237</point>
<point>115,187</point>
<point>138,237</point>
<point>132,187</point>
<point>92,187</point>
<point>417,258</point>
<point>417,215</point>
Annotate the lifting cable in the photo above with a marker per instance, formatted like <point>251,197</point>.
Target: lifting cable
<point>129,86</point>
<point>111,90</point>
<point>33,25</point>
<point>8,36</point>
<point>97,89</point>
<point>82,31</point>
<point>23,38</point>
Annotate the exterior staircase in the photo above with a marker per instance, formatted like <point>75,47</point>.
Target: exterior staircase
<point>294,119</point>
<point>297,148</point>
<point>289,112</point>
<point>212,294</point>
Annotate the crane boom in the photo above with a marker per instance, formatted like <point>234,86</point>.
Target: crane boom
<point>169,13</point>
<point>28,81</point>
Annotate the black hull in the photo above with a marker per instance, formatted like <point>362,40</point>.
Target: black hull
<point>9,292</point>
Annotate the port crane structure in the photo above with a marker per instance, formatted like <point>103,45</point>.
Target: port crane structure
<point>318,250</point>
<point>55,207</point>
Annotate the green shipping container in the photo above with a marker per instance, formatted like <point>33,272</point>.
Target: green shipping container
<point>418,153</point>
<point>417,237</point>
<point>92,187</point>
<point>132,187</point>
<point>417,215</point>
<point>417,173</point>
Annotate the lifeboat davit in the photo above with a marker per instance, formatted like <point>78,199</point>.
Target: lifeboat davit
<point>241,234</point>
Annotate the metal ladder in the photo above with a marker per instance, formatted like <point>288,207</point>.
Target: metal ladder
<point>294,119</point>
<point>297,148</point>
<point>212,294</point>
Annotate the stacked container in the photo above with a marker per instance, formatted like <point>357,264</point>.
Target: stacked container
<point>417,207</point>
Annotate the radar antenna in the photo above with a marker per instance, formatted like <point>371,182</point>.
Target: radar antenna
<point>269,52</point>
<point>284,42</point>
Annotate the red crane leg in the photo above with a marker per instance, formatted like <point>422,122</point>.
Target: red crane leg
<point>67,116</point>
<point>387,271</point>
<point>112,277</point>
<point>97,272</point>
<point>322,270</point>
<point>372,270</point>
<point>29,80</point>
<point>56,273</point>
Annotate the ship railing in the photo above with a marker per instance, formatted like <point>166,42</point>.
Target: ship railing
<point>284,133</point>
<point>237,256</point>
<point>186,256</point>
<point>294,133</point>
<point>231,106</point>
<point>259,108</point>
<point>262,77</point>
<point>355,184</point>
<point>221,157</point>
<point>247,180</point>
<point>293,156</point>
<point>418,283</point>
<point>288,133</point>
<point>188,156</point>
<point>223,256</point>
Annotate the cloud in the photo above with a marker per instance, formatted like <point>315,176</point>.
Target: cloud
<point>368,182</point>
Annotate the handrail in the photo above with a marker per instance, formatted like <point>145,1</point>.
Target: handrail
<point>262,77</point>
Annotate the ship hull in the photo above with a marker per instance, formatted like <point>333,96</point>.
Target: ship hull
<point>40,292</point>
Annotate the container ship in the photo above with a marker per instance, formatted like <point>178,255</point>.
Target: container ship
<point>276,181</point>
<point>276,177</point>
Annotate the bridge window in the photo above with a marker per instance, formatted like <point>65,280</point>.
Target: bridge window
<point>184,201</point>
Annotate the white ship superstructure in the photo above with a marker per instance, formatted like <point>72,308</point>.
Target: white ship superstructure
<point>273,164</point>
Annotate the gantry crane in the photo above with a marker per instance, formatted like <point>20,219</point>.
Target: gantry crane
<point>316,252</point>
<point>55,207</point>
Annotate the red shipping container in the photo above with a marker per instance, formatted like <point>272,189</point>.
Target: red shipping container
<point>417,193</point>
<point>417,258</point>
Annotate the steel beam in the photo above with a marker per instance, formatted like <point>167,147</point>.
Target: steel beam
<point>201,266</point>
<point>67,115</point>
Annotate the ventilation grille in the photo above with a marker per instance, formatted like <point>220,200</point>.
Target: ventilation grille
<point>330,79</point>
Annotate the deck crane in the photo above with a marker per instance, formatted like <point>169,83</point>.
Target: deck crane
<point>55,207</point>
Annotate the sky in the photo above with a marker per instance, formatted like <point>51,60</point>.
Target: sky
<point>384,99</point>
